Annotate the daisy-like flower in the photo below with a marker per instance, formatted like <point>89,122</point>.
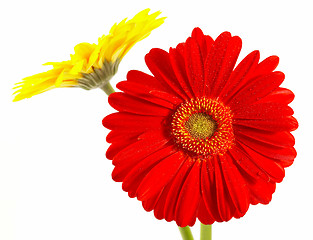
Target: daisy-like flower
<point>92,65</point>
<point>201,139</point>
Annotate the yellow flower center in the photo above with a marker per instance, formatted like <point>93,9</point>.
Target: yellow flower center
<point>201,125</point>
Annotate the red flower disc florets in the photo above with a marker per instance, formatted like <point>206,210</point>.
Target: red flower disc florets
<point>204,127</point>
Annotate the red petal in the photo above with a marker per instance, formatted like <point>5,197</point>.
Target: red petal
<point>140,91</point>
<point>208,189</point>
<point>127,121</point>
<point>181,48</point>
<point>235,184</point>
<point>209,43</point>
<point>256,89</point>
<point>228,64</point>
<point>266,66</point>
<point>286,155</point>
<point>159,64</point>
<point>204,42</point>
<point>116,135</point>
<point>179,68</point>
<point>266,110</point>
<point>144,79</point>
<point>244,162</point>
<point>166,97</point>
<point>278,139</point>
<point>139,171</point>
<point>204,215</point>
<point>189,198</point>
<point>261,191</point>
<point>125,103</point>
<point>273,169</point>
<point>215,60</point>
<point>159,211</point>
<point>159,176</point>
<point>134,153</point>
<point>194,65</point>
<point>176,185</point>
<point>225,207</point>
<point>272,125</point>
<point>116,147</point>
<point>280,95</point>
<point>238,77</point>
<point>149,204</point>
<point>154,134</point>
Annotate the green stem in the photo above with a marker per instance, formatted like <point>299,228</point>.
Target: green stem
<point>107,88</point>
<point>186,233</point>
<point>205,232</point>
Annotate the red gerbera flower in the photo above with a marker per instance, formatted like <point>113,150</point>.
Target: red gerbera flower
<point>200,139</point>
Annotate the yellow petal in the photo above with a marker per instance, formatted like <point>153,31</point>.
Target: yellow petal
<point>59,79</point>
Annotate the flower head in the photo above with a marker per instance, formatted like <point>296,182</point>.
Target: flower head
<point>92,65</point>
<point>202,138</point>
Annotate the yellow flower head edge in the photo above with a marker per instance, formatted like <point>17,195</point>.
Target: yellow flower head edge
<point>92,65</point>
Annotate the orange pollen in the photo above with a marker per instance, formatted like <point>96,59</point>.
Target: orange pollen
<point>203,126</point>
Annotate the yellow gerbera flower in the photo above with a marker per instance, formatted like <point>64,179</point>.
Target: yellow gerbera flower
<point>92,65</point>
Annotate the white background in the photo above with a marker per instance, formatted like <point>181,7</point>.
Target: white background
<point>55,182</point>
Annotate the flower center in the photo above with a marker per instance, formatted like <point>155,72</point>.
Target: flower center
<point>203,127</point>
